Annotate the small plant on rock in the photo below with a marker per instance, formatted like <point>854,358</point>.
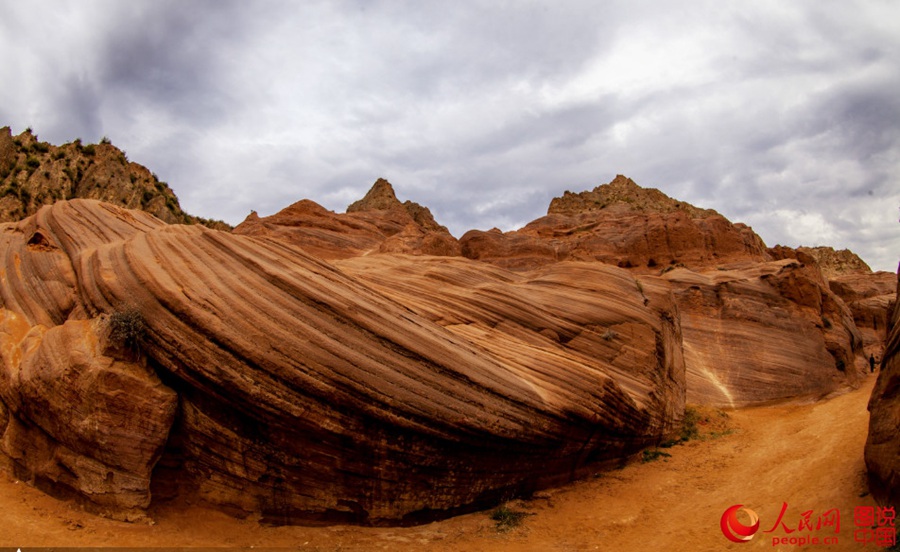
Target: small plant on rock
<point>506,518</point>
<point>650,455</point>
<point>127,328</point>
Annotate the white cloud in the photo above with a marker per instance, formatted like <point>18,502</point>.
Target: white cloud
<point>480,110</point>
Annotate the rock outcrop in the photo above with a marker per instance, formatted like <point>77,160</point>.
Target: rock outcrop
<point>763,333</point>
<point>621,224</point>
<point>870,297</point>
<point>394,391</point>
<point>742,305</point>
<point>834,263</point>
<point>35,173</point>
<point>883,443</point>
<point>378,223</point>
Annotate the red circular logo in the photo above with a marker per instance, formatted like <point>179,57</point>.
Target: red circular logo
<point>736,531</point>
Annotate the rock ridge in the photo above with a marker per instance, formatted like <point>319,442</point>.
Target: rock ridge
<point>34,173</point>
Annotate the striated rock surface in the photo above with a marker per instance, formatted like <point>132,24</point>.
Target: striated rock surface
<point>763,333</point>
<point>621,224</point>
<point>883,443</point>
<point>397,389</point>
<point>35,173</point>
<point>870,297</point>
<point>81,420</point>
<point>378,223</point>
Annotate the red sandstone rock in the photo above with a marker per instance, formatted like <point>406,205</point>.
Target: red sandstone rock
<point>883,444</point>
<point>766,332</point>
<point>870,297</point>
<point>379,393</point>
<point>376,223</point>
<point>621,224</point>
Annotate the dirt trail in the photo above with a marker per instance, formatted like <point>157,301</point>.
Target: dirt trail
<point>809,456</point>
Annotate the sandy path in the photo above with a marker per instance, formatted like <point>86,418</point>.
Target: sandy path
<point>810,456</point>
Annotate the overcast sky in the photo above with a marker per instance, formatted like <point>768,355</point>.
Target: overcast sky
<point>782,115</point>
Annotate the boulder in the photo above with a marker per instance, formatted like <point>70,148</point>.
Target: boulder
<point>81,420</point>
<point>306,392</point>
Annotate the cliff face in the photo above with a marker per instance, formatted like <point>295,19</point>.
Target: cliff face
<point>262,379</point>
<point>741,304</point>
<point>883,443</point>
<point>35,173</point>
<point>763,333</point>
<point>378,223</point>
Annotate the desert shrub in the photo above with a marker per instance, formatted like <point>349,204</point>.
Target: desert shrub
<point>89,149</point>
<point>689,429</point>
<point>33,162</point>
<point>506,518</point>
<point>40,147</point>
<point>609,335</point>
<point>126,327</point>
<point>655,454</point>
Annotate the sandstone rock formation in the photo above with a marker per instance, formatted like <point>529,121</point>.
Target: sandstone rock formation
<point>622,224</point>
<point>883,443</point>
<point>869,295</point>
<point>378,223</point>
<point>265,380</point>
<point>834,263</point>
<point>742,305</point>
<point>763,333</point>
<point>35,173</point>
<point>367,367</point>
<point>871,299</point>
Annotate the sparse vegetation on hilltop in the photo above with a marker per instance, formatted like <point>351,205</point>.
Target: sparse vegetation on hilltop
<point>35,173</point>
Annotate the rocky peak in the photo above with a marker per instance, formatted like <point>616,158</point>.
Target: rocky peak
<point>834,263</point>
<point>34,173</point>
<point>622,191</point>
<point>381,197</point>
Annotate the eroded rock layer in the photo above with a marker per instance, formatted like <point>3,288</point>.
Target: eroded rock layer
<point>763,333</point>
<point>883,443</point>
<point>622,224</point>
<point>378,223</point>
<point>270,381</point>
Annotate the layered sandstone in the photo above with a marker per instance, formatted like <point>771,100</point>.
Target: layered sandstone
<point>622,224</point>
<point>763,333</point>
<point>378,223</point>
<point>870,297</point>
<point>759,325</point>
<point>883,444</point>
<point>266,380</point>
